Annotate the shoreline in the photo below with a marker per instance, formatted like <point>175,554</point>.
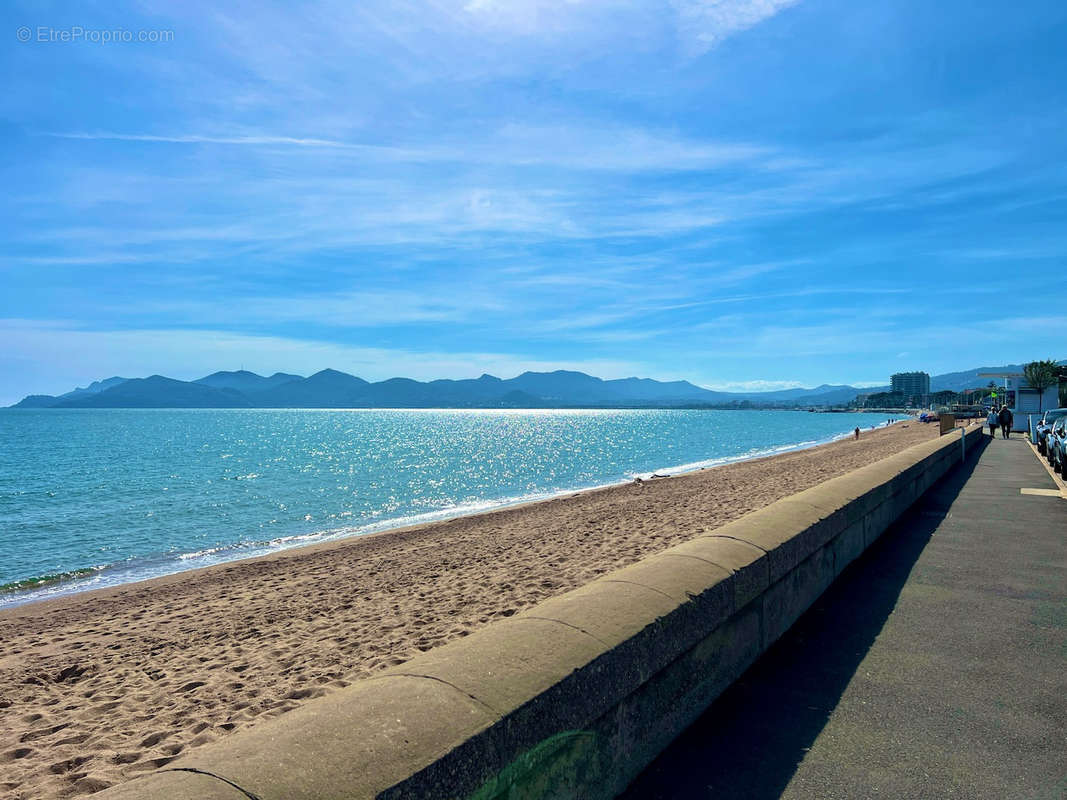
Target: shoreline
<point>88,579</point>
<point>100,687</point>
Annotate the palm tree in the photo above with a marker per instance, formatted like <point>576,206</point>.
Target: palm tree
<point>1041,375</point>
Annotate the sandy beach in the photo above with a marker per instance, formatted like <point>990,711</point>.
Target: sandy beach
<point>101,687</point>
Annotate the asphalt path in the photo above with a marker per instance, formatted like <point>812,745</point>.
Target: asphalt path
<point>935,667</point>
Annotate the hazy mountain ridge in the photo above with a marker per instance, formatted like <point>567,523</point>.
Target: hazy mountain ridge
<point>330,388</point>
<point>94,388</point>
<point>245,381</point>
<point>157,391</point>
<point>49,401</point>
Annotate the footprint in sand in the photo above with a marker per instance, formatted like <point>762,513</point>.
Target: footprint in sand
<point>153,739</point>
<point>149,764</point>
<point>91,783</point>
<point>67,765</point>
<point>202,738</point>
<point>77,739</point>
<point>29,737</point>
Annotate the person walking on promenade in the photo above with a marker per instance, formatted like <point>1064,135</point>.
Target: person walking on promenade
<point>991,421</point>
<point>1006,419</point>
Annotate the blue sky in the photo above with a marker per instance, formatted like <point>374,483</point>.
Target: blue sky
<point>743,193</point>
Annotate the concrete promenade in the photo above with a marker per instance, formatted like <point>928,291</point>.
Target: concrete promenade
<point>935,667</point>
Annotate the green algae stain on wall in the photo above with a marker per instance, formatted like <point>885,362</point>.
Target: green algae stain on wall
<point>560,766</point>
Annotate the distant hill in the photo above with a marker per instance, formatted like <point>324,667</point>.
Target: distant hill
<point>958,381</point>
<point>94,388</point>
<point>326,389</point>
<point>37,401</point>
<point>158,392</point>
<point>49,401</point>
<point>821,395</point>
<point>825,395</point>
<point>561,388</point>
<point>577,388</point>
<point>245,381</point>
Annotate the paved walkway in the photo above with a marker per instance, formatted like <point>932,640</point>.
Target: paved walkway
<point>935,667</point>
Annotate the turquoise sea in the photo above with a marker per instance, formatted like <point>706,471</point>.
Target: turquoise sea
<point>129,494</point>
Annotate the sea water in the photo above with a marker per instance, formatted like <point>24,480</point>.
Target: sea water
<point>99,497</point>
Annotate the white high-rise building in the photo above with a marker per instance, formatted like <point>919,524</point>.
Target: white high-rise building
<point>915,386</point>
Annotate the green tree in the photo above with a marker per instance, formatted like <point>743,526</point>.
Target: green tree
<point>1041,375</point>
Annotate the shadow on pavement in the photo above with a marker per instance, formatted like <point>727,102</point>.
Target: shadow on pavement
<point>749,742</point>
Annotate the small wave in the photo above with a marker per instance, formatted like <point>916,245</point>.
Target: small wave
<point>201,553</point>
<point>41,581</point>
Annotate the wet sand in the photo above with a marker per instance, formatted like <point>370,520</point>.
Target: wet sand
<point>104,686</point>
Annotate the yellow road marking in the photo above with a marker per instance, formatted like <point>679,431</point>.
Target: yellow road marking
<point>1042,492</point>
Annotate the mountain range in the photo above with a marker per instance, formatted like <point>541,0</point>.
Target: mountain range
<point>332,389</point>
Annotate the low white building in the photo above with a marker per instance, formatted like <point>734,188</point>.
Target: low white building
<point>1021,398</point>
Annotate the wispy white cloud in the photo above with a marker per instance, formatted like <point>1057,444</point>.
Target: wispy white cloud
<point>842,338</point>
<point>574,146</point>
<point>699,24</point>
<point>377,151</point>
<point>579,145</point>
<point>576,180</point>
<point>705,23</point>
<point>1018,251</point>
<point>196,139</point>
<point>368,308</point>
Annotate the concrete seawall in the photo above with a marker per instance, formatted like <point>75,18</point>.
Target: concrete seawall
<point>574,696</point>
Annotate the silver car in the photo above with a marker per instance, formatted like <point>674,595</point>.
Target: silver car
<point>1045,425</point>
<point>1056,445</point>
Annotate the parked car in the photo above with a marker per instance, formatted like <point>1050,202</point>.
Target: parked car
<point>1046,452</point>
<point>1050,440</point>
<point>1045,425</point>
<point>1056,444</point>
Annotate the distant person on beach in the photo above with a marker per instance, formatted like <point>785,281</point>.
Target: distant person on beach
<point>991,421</point>
<point>857,432</point>
<point>1006,419</point>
